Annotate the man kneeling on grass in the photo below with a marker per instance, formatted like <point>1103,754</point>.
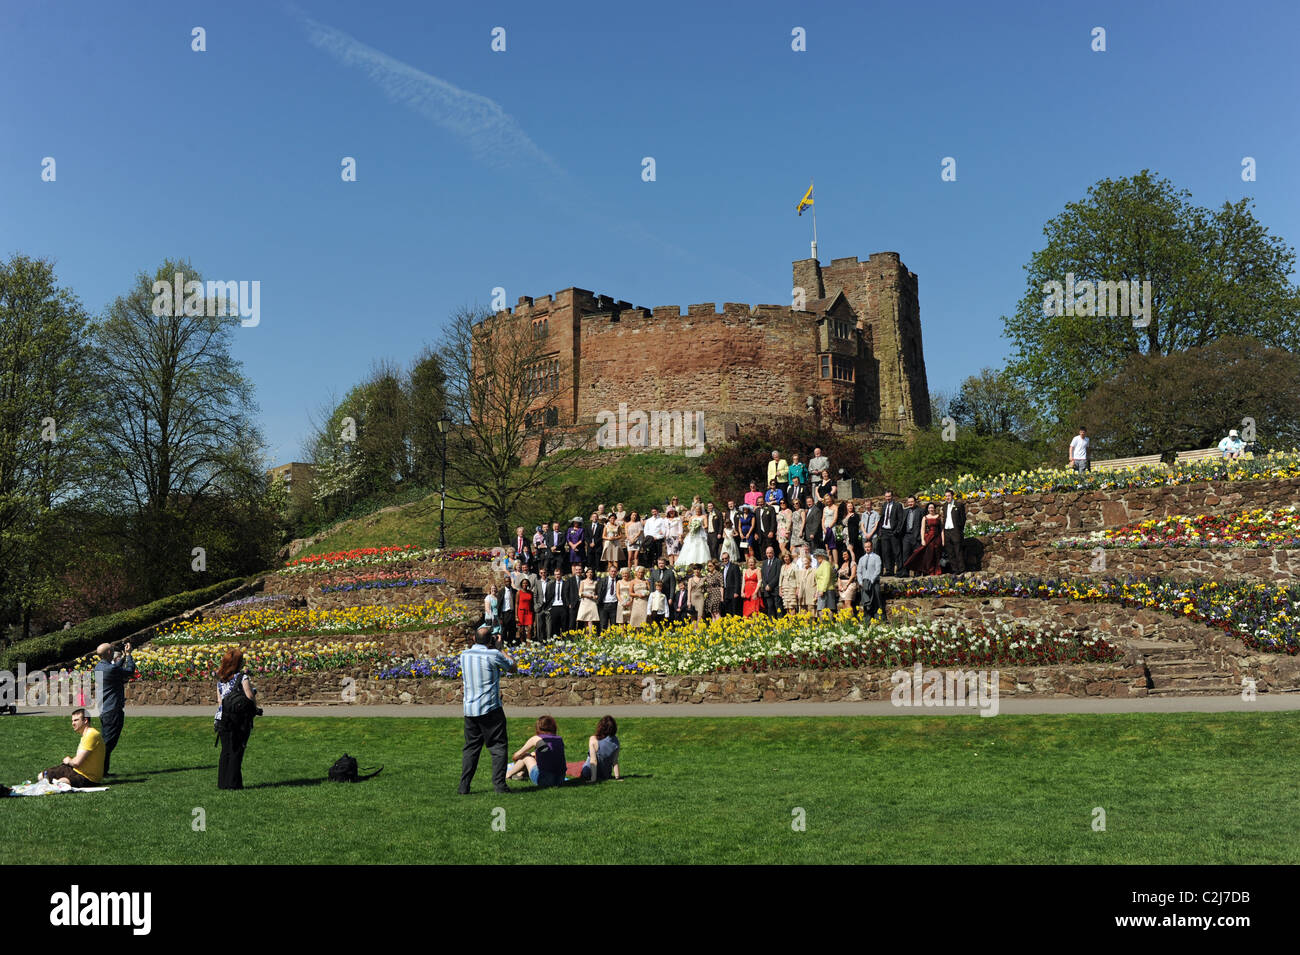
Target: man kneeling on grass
<point>87,767</point>
<point>547,767</point>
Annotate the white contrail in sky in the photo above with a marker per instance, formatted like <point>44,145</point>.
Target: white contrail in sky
<point>489,131</point>
<point>491,134</point>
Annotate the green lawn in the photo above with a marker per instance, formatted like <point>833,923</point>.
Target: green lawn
<point>1176,788</point>
<point>638,480</point>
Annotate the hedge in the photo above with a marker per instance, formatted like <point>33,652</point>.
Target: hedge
<point>62,645</point>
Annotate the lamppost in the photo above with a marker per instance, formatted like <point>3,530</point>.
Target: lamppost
<point>443,424</point>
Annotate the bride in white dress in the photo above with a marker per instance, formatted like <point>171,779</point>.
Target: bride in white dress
<point>695,547</point>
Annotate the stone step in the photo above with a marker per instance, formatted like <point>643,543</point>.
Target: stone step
<point>1226,690</point>
<point>1208,683</point>
<point>1190,671</point>
<point>1166,665</point>
<point>1149,646</point>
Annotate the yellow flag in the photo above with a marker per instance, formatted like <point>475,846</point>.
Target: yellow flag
<point>807,200</point>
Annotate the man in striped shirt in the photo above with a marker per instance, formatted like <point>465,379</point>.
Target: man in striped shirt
<point>481,667</point>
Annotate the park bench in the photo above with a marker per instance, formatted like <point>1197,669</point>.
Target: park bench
<point>1115,464</point>
<point>1198,455</point>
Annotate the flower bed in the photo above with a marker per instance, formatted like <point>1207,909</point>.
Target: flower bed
<point>366,556</point>
<point>1274,465</point>
<point>1257,528</point>
<point>988,528</point>
<point>256,623</point>
<point>200,662</point>
<point>382,583</point>
<point>799,641</point>
<point>1263,616</point>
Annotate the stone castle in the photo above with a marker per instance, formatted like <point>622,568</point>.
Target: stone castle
<point>847,354</point>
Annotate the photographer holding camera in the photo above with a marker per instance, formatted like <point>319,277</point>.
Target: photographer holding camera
<point>236,708</point>
<point>481,667</point>
<point>118,667</point>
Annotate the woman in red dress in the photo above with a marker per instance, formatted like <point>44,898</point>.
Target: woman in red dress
<point>925,559</point>
<point>753,603</point>
<point>524,609</point>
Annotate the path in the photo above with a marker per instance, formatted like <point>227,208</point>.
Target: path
<point>1264,703</point>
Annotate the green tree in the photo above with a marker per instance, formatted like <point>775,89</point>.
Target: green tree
<point>1160,404</point>
<point>45,400</point>
<point>426,388</point>
<point>1213,273</point>
<point>175,430</point>
<point>992,403</point>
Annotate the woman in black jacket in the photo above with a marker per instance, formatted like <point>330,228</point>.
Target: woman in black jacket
<point>233,733</point>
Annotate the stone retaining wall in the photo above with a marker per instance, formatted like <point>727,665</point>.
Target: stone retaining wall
<point>1218,563</point>
<point>1087,510</point>
<point>1113,680</point>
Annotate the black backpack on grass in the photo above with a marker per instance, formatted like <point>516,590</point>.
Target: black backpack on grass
<point>344,770</point>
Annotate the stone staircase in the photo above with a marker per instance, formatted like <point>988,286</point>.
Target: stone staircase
<point>1179,668</point>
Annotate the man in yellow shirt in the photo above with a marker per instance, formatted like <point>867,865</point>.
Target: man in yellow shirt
<point>87,767</point>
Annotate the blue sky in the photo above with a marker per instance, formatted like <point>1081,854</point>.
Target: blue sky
<point>522,168</point>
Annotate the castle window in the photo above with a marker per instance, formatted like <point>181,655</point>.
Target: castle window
<point>840,329</point>
<point>841,368</point>
<point>846,410</point>
<point>540,328</point>
<point>826,366</point>
<point>542,377</point>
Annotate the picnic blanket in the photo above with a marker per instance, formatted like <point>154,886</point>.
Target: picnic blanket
<point>44,788</point>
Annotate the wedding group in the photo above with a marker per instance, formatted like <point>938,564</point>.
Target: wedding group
<point>791,547</point>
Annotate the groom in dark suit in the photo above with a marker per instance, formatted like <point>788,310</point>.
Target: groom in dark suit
<point>731,587</point>
<point>953,521</point>
<point>607,599</point>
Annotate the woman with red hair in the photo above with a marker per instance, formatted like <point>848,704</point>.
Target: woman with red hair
<point>234,739</point>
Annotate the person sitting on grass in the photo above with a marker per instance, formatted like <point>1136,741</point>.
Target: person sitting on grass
<point>87,767</point>
<point>547,767</point>
<point>602,752</point>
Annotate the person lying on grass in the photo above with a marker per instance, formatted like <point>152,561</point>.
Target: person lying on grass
<point>547,767</point>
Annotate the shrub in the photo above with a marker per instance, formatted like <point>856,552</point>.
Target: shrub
<point>64,645</point>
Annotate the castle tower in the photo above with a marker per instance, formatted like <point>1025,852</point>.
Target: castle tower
<point>883,294</point>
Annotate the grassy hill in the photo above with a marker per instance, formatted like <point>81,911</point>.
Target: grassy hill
<point>638,480</point>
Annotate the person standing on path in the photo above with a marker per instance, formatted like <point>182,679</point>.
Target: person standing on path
<point>481,667</point>
<point>118,668</point>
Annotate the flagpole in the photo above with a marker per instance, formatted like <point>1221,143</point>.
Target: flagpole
<point>809,200</point>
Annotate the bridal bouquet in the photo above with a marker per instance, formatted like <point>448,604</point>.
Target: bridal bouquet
<point>696,524</point>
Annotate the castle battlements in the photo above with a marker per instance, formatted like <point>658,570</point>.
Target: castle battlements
<point>851,355</point>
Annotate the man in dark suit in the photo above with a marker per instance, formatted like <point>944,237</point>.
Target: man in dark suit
<point>607,599</point>
<point>890,534</point>
<point>731,587</point>
<point>555,544</point>
<point>813,524</point>
<point>769,582</point>
<point>506,610</point>
<point>766,528</point>
<point>913,521</point>
<point>712,528</point>
<point>557,599</point>
<point>663,574</point>
<point>952,518</point>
